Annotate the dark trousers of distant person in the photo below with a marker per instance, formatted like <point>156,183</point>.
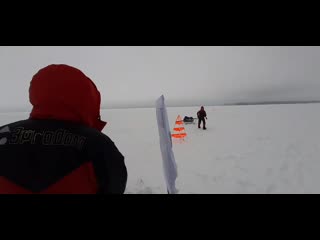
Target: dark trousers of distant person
<point>204,123</point>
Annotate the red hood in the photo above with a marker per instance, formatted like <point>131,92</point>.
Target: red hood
<point>62,92</point>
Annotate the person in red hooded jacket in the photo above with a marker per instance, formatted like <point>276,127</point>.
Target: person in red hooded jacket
<point>60,149</point>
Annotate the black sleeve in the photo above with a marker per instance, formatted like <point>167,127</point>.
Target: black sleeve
<point>117,175</point>
<point>111,170</point>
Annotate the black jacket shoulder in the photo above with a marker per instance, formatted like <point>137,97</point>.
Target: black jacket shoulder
<point>32,139</point>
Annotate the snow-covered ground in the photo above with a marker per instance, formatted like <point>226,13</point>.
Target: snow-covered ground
<point>245,149</point>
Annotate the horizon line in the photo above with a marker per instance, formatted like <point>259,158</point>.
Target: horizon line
<point>242,103</point>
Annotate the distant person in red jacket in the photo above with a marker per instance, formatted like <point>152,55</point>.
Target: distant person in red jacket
<point>60,148</point>
<point>201,117</point>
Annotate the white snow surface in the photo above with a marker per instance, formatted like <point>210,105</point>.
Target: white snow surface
<point>259,149</point>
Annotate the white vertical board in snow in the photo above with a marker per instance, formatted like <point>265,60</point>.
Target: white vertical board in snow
<point>168,160</point>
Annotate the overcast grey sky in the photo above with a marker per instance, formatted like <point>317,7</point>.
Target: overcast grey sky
<point>137,76</point>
